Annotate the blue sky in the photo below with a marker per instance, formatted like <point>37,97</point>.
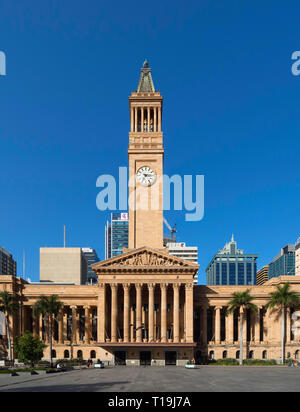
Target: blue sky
<point>231,112</point>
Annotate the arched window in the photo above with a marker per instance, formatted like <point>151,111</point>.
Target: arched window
<point>93,354</point>
<point>264,354</point>
<point>225,354</point>
<point>66,354</point>
<point>297,354</point>
<point>53,352</point>
<point>237,355</point>
<point>211,355</point>
<point>79,354</point>
<point>251,354</point>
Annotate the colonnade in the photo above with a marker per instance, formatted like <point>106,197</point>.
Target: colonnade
<point>149,312</point>
<point>69,326</point>
<point>225,329</point>
<point>139,312</point>
<point>145,118</point>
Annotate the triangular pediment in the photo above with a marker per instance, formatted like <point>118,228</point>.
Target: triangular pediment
<point>145,257</point>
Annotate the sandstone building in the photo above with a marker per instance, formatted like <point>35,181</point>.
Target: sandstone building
<point>145,308</point>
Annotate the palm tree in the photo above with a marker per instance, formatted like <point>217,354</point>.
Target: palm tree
<point>49,308</point>
<point>241,300</point>
<point>9,304</point>
<point>282,299</point>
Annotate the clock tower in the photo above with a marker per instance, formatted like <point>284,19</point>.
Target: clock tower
<point>145,156</point>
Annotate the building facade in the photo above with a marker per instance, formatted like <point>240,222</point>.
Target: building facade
<point>63,265</point>
<point>8,265</point>
<point>180,250</point>
<point>116,235</point>
<point>284,263</point>
<point>262,275</point>
<point>297,258</point>
<point>91,258</point>
<point>231,266</point>
<point>146,309</point>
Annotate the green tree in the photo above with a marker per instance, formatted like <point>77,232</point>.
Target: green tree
<point>49,308</point>
<point>241,300</point>
<point>9,304</point>
<point>282,299</point>
<point>29,348</point>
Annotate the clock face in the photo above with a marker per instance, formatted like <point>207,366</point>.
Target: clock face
<point>146,176</point>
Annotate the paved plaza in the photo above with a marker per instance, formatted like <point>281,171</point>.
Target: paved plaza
<point>165,379</point>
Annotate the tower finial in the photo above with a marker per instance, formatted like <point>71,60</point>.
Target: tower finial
<point>146,84</point>
<point>232,238</point>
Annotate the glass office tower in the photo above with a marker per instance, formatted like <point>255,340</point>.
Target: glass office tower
<point>91,258</point>
<point>116,235</point>
<point>8,265</point>
<point>230,266</point>
<point>284,263</point>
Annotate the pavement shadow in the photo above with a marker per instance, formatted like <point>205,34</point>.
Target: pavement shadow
<point>72,387</point>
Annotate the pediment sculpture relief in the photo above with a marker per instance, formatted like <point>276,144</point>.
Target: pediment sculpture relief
<point>146,259</point>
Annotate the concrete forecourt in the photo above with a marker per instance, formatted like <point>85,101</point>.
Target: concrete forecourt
<point>169,379</point>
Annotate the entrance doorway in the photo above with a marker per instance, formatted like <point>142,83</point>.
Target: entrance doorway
<point>145,358</point>
<point>120,358</point>
<point>170,358</point>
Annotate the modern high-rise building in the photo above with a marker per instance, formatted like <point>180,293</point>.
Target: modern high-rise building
<point>297,258</point>
<point>189,253</point>
<point>231,266</point>
<point>91,257</point>
<point>284,263</point>
<point>116,235</point>
<point>63,265</point>
<point>262,275</point>
<point>8,265</point>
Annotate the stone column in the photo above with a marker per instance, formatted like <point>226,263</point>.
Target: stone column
<point>252,326</point>
<point>61,327</point>
<point>163,320</point>
<point>138,325</point>
<point>74,323</point>
<point>148,119</point>
<point>176,288</point>
<point>189,312</point>
<point>151,287</point>
<point>142,119</point>
<point>101,318</point>
<point>87,324</point>
<point>126,288</point>
<point>257,327</point>
<point>155,119</point>
<point>204,325</point>
<point>78,315</point>
<point>135,119</point>
<point>114,311</point>
<point>46,320</point>
<point>266,325</point>
<point>159,119</point>
<point>131,119</point>
<point>65,325</point>
<point>132,323</point>
<point>230,328</point>
<point>218,325</point>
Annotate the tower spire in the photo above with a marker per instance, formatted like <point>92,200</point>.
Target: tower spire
<point>146,83</point>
